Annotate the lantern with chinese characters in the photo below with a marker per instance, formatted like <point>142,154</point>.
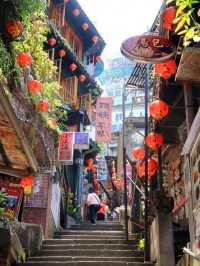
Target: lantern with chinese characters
<point>158,109</point>
<point>98,58</point>
<point>95,39</point>
<point>14,28</point>
<point>52,41</point>
<point>152,168</point>
<point>76,12</point>
<point>61,53</point>
<point>34,86</point>
<point>72,67</point>
<point>138,153</point>
<point>166,69</point>
<point>85,26</point>
<point>168,17</point>
<point>27,183</point>
<point>24,59</point>
<point>43,106</point>
<point>82,78</point>
<point>154,140</point>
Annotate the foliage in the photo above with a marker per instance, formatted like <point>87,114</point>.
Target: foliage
<point>5,219</point>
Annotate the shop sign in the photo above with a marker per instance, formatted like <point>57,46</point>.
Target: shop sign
<point>81,141</point>
<point>65,148</point>
<point>103,119</point>
<point>102,170</point>
<point>148,48</point>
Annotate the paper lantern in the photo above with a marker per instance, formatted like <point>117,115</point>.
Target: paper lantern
<point>98,58</point>
<point>72,67</point>
<point>158,109</point>
<point>166,69</point>
<point>82,78</point>
<point>90,162</point>
<point>168,17</point>
<point>154,140</point>
<point>61,53</point>
<point>43,106</point>
<point>138,153</point>
<point>152,168</point>
<point>76,12</point>
<point>14,28</point>
<point>34,86</point>
<point>52,41</point>
<point>95,39</point>
<point>24,59</point>
<point>26,181</point>
<point>85,26</point>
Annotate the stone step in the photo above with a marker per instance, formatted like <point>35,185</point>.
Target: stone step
<point>89,232</point>
<point>97,227</point>
<point>93,240</point>
<point>85,236</point>
<point>85,263</point>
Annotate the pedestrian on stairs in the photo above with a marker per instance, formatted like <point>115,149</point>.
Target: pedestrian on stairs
<point>93,203</point>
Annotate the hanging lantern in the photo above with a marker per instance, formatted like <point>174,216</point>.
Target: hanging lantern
<point>76,12</point>
<point>138,153</point>
<point>90,162</point>
<point>158,109</point>
<point>43,106</point>
<point>34,86</point>
<point>152,168</point>
<point>95,39</point>
<point>27,183</point>
<point>72,67</point>
<point>166,69</point>
<point>85,26</point>
<point>98,58</point>
<point>61,53</point>
<point>168,17</point>
<point>82,78</point>
<point>24,59</point>
<point>14,28</point>
<point>154,140</point>
<point>52,41</point>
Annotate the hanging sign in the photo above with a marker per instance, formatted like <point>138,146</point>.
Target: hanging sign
<point>81,141</point>
<point>103,119</point>
<point>148,48</point>
<point>102,170</point>
<point>65,148</point>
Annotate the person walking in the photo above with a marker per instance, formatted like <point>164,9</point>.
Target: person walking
<point>93,203</point>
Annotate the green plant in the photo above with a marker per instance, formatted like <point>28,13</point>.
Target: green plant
<point>5,218</point>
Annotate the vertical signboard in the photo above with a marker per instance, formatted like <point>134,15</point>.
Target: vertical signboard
<point>103,119</point>
<point>65,148</point>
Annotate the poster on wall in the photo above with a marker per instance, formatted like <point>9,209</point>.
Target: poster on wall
<point>65,148</point>
<point>104,119</point>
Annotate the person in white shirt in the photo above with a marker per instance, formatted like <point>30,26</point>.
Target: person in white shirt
<point>93,202</point>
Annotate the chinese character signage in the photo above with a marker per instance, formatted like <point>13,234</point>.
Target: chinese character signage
<point>65,149</point>
<point>81,141</point>
<point>103,119</point>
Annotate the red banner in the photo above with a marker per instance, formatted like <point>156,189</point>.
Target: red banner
<point>65,148</point>
<point>103,119</point>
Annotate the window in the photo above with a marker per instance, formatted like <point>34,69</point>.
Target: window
<point>68,89</point>
<point>86,102</point>
<point>56,14</point>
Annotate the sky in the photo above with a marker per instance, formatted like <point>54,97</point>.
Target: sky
<point>117,20</point>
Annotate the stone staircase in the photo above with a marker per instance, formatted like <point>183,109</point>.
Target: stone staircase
<point>102,244</point>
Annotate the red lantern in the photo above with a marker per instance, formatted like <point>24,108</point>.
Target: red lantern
<point>152,168</point>
<point>154,140</point>
<point>158,109</point>
<point>138,153</point>
<point>90,162</point>
<point>168,17</point>
<point>82,78</point>
<point>61,53</point>
<point>76,12</point>
<point>26,181</point>
<point>98,58</point>
<point>52,41</point>
<point>14,28</point>
<point>24,59</point>
<point>43,106</point>
<point>166,69</point>
<point>85,26</point>
<point>34,86</point>
<point>95,39</point>
<point>72,67</point>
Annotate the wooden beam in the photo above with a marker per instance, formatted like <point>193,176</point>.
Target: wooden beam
<point>4,155</point>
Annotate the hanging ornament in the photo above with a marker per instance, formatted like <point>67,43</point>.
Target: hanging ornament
<point>14,28</point>
<point>154,140</point>
<point>166,69</point>
<point>168,17</point>
<point>98,58</point>
<point>138,153</point>
<point>52,41</point>
<point>89,162</point>
<point>73,67</point>
<point>95,39</point>
<point>76,12</point>
<point>27,184</point>
<point>24,59</point>
<point>152,168</point>
<point>82,78</point>
<point>61,53</point>
<point>158,109</point>
<point>85,26</point>
<point>34,86</point>
<point>43,106</point>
